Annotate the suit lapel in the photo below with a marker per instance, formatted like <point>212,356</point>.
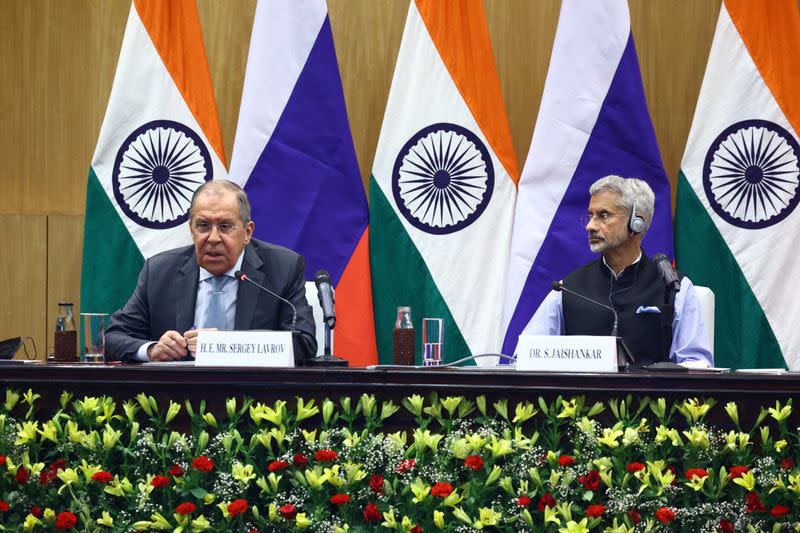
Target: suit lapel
<point>247,294</point>
<point>185,295</point>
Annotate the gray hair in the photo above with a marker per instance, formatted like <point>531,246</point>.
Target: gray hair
<point>631,191</point>
<point>219,187</point>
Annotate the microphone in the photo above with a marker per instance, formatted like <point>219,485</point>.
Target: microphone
<point>241,276</point>
<point>558,286</point>
<point>668,273</point>
<point>326,298</point>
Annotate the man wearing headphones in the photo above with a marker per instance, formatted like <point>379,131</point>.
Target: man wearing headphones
<point>619,214</point>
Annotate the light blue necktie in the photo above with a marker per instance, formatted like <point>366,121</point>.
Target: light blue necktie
<point>216,307</point>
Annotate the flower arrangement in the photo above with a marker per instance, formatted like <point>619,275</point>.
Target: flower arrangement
<point>625,465</point>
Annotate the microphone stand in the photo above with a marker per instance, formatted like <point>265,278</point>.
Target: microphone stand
<point>327,358</point>
<point>624,356</point>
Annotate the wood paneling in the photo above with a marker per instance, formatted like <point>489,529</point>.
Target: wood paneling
<point>24,266</point>
<point>63,266</point>
<point>58,60</point>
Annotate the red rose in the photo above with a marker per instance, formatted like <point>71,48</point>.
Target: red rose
<point>566,460</point>
<point>441,489</point>
<point>416,529</point>
<point>634,516</point>
<point>754,503</point>
<point>160,481</point>
<point>237,507</point>
<point>787,463</point>
<point>46,477</point>
<point>186,508</point>
<point>595,511</point>
<point>274,466</point>
<point>591,481</point>
<point>635,467</point>
<point>36,511</point>
<point>203,464</point>
<point>300,459</point>
<point>665,515</point>
<point>176,470</point>
<point>725,526</point>
<point>4,507</point>
<point>376,483</point>
<point>779,510</point>
<point>254,531</point>
<point>66,520</point>
<point>287,511</point>
<point>737,471</point>
<point>340,499</point>
<point>326,455</point>
<point>23,476</point>
<point>546,501</point>
<point>475,462</point>
<point>102,477</point>
<point>55,466</point>
<point>372,513</point>
<point>699,472</point>
<point>2,460</point>
<point>406,465</point>
<point>524,501</point>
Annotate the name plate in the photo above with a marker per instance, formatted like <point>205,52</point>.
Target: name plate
<point>568,353</point>
<point>245,348</point>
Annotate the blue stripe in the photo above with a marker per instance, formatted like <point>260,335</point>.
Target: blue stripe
<point>622,142</point>
<point>306,189</point>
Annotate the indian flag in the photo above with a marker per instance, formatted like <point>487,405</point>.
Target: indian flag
<point>159,141</point>
<point>739,185</point>
<point>443,184</point>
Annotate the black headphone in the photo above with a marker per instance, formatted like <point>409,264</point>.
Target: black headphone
<point>636,223</point>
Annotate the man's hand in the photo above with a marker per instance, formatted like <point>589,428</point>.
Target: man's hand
<point>191,338</point>
<point>170,347</point>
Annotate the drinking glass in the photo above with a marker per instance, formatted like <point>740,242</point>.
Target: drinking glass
<point>432,341</point>
<point>93,326</point>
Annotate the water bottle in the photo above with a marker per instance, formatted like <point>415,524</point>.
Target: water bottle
<point>404,337</point>
<point>65,345</point>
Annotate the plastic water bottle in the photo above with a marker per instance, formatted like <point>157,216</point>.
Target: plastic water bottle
<point>404,337</point>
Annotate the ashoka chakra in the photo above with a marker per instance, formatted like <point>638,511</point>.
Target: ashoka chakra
<point>751,174</point>
<point>443,178</point>
<point>156,171</point>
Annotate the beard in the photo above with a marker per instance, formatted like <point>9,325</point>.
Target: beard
<point>608,242</point>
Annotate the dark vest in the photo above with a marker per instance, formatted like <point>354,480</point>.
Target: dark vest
<point>638,285</point>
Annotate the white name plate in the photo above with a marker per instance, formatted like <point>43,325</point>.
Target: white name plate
<point>568,353</point>
<point>245,348</point>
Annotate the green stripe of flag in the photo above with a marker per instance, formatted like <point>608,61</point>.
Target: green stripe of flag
<point>111,259</point>
<point>413,285</point>
<point>743,337</point>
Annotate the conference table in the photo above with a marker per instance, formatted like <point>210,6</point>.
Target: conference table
<point>181,381</point>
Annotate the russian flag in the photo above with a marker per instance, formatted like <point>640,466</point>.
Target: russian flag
<point>294,156</point>
<point>593,121</point>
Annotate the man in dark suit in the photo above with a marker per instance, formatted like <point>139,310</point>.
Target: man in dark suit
<point>185,290</point>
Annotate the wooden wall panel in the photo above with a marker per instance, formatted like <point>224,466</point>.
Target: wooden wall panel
<point>23,283</point>
<point>63,266</point>
<point>58,60</point>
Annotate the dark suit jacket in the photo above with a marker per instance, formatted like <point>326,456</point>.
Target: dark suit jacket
<point>166,294</point>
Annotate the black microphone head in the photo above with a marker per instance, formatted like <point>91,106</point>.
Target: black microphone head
<point>322,276</point>
<point>239,275</point>
<point>661,257</point>
<point>557,286</point>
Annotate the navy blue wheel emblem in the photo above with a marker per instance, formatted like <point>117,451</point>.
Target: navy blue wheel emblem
<point>443,179</point>
<point>751,174</point>
<point>156,171</point>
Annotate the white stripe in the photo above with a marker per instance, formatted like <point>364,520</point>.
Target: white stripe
<point>590,40</point>
<point>468,266</point>
<point>282,38</point>
<point>733,91</point>
<point>143,91</point>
